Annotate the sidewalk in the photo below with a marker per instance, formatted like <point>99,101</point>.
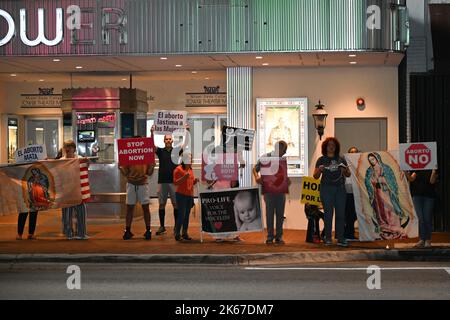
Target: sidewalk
<point>106,244</point>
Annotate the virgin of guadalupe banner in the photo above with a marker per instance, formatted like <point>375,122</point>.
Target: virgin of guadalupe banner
<point>383,202</point>
<point>232,210</point>
<point>40,186</point>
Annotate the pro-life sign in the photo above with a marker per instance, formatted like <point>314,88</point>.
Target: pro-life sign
<point>311,191</point>
<point>136,151</point>
<point>418,156</point>
<point>31,154</point>
<point>167,122</point>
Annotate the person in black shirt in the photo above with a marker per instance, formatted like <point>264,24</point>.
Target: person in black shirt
<point>423,193</point>
<point>168,161</point>
<point>333,170</point>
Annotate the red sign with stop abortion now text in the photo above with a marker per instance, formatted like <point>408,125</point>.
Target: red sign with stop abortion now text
<point>418,156</point>
<point>136,151</point>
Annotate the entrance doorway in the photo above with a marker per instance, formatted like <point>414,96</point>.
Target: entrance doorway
<point>367,134</point>
<point>44,132</point>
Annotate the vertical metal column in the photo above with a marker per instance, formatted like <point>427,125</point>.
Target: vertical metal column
<point>240,110</point>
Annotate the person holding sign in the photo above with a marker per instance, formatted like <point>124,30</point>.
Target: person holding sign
<point>275,200</point>
<point>168,161</point>
<point>138,190</point>
<point>333,169</point>
<point>350,210</point>
<point>184,180</point>
<point>69,150</point>
<point>423,194</point>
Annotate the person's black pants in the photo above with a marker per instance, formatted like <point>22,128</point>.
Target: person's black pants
<point>350,217</point>
<point>31,223</point>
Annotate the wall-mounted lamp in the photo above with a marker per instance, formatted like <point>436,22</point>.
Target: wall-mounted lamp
<point>320,119</point>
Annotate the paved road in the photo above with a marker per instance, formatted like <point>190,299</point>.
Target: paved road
<point>139,281</point>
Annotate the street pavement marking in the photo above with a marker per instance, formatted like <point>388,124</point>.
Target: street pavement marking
<point>447,269</point>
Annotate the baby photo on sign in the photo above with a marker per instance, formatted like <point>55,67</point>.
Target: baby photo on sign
<point>234,210</point>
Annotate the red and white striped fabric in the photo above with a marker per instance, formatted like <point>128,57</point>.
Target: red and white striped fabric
<point>84,178</point>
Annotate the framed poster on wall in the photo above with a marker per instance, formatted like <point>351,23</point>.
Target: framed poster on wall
<point>287,120</point>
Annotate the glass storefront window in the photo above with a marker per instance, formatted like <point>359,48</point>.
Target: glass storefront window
<point>44,132</point>
<point>95,135</point>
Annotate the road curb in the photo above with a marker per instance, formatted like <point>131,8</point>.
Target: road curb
<point>237,259</point>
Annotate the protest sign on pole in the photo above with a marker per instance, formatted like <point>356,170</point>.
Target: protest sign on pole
<point>237,139</point>
<point>311,191</point>
<point>167,122</point>
<point>418,156</point>
<point>136,151</point>
<point>30,153</point>
<point>231,210</point>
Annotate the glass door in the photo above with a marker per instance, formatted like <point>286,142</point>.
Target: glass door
<point>44,132</point>
<point>13,138</point>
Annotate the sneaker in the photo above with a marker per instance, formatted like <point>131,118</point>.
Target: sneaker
<point>31,237</point>
<point>81,238</point>
<point>178,238</point>
<point>428,244</point>
<point>280,242</point>
<point>328,242</point>
<point>187,238</point>
<point>220,240</point>
<point>343,243</point>
<point>148,235</point>
<point>420,245</point>
<point>269,241</point>
<point>127,235</point>
<point>161,231</point>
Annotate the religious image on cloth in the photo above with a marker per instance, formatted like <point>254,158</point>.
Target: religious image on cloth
<point>41,186</point>
<point>383,201</point>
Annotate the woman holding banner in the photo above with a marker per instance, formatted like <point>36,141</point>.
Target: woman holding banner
<point>79,210</point>
<point>333,169</point>
<point>184,180</point>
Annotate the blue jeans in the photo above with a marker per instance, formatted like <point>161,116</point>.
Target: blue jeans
<point>275,204</point>
<point>424,208</point>
<point>333,199</point>
<point>184,204</point>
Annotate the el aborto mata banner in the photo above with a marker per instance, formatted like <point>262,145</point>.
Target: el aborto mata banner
<point>40,186</point>
<point>383,200</point>
<point>231,210</point>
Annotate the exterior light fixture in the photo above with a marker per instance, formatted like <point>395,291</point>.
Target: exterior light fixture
<point>360,104</point>
<point>320,119</point>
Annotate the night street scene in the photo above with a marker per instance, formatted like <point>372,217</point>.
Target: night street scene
<point>225,159</point>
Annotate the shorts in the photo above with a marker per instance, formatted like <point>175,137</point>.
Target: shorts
<point>166,189</point>
<point>137,194</point>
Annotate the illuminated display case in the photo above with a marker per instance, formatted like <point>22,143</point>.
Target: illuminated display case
<point>13,136</point>
<point>287,120</point>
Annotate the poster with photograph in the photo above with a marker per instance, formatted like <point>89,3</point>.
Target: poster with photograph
<point>285,120</point>
<point>232,210</point>
<point>382,198</point>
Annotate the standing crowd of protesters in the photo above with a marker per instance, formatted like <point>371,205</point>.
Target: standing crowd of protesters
<point>176,180</point>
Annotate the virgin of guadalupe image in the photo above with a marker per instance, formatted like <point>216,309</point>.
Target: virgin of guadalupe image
<point>38,190</point>
<point>382,188</point>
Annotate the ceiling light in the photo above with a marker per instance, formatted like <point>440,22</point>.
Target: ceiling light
<point>41,80</point>
<point>124,79</point>
<point>206,78</point>
<point>265,64</point>
<point>13,75</point>
<point>353,62</point>
<point>178,65</point>
<point>56,60</point>
<point>352,55</point>
<point>163,58</point>
<point>194,72</point>
<point>79,67</point>
<point>259,57</point>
